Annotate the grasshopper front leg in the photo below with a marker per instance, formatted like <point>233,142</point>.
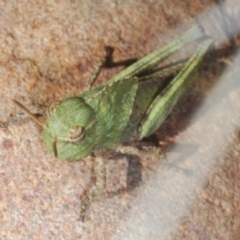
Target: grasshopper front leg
<point>165,101</point>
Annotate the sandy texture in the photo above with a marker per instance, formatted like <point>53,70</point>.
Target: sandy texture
<point>48,51</point>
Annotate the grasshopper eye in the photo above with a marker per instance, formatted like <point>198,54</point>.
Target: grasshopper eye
<point>52,107</point>
<point>76,135</point>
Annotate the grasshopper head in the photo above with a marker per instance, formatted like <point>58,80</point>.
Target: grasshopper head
<point>70,131</point>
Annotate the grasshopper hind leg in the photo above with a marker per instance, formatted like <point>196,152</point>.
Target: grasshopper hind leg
<point>166,100</point>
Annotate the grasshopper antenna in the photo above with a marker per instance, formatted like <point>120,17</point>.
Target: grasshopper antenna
<point>28,113</point>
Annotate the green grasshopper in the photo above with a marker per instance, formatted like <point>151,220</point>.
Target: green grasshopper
<point>132,105</point>
<point>129,106</point>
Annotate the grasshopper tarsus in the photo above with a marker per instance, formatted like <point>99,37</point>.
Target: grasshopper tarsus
<point>84,207</point>
<point>109,56</point>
